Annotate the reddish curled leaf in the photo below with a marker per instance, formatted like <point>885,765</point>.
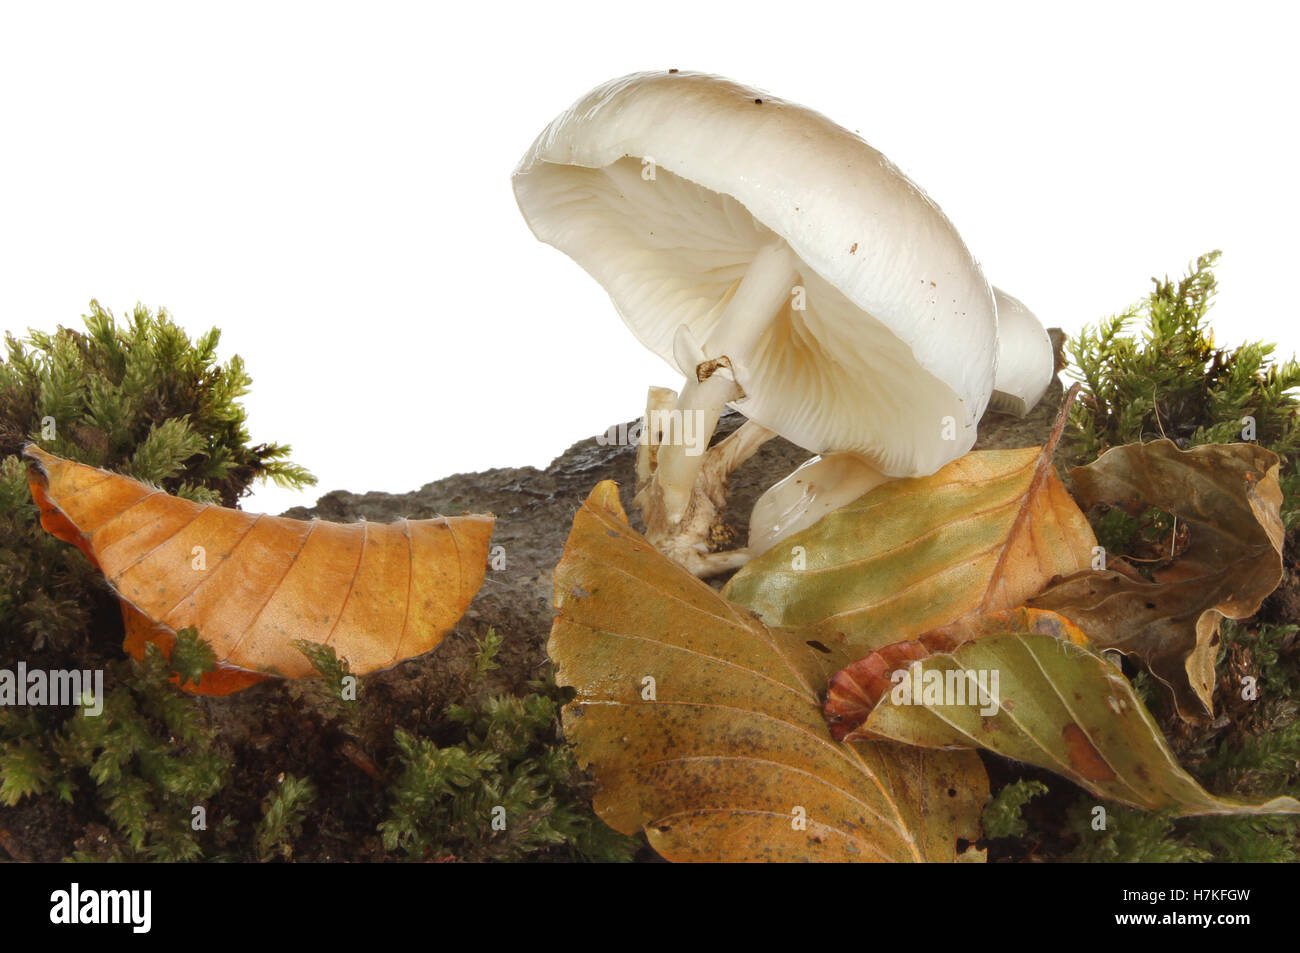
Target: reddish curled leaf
<point>703,726</point>
<point>1227,497</point>
<point>251,585</point>
<point>856,689</point>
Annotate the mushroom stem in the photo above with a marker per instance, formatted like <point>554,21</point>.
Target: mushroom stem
<point>817,487</point>
<point>718,375</point>
<point>699,406</point>
<point>687,540</point>
<point>659,405</point>
<point>762,293</point>
<point>743,443</point>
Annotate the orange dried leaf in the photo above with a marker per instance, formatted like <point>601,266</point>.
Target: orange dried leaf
<point>251,584</point>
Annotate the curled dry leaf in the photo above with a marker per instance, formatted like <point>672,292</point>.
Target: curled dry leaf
<point>1058,705</point>
<point>704,728</point>
<point>251,585</point>
<point>1228,497</point>
<point>982,534</point>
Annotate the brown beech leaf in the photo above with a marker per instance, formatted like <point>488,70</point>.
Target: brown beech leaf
<point>984,533</point>
<point>251,585</point>
<point>1053,703</point>
<point>1228,497</point>
<point>704,728</point>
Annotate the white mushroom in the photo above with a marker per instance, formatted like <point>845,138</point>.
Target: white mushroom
<point>1025,368</point>
<point>782,265</point>
<point>1026,359</point>
<point>822,484</point>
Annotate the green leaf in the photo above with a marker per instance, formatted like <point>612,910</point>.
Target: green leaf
<point>1061,707</point>
<point>984,533</point>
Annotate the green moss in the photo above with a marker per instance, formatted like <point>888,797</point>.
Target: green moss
<point>1129,837</point>
<point>25,767</point>
<point>1155,371</point>
<point>283,814</point>
<point>139,397</point>
<point>1244,840</point>
<point>1001,816</point>
<point>191,657</point>
<point>507,788</point>
<point>145,762</point>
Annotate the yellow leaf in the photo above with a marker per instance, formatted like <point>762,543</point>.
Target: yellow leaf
<point>704,728</point>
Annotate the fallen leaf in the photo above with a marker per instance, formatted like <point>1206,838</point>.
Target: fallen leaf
<point>704,728</point>
<point>252,585</point>
<point>141,632</point>
<point>984,533</point>
<point>1228,497</point>
<point>1062,707</point>
<point>855,691</point>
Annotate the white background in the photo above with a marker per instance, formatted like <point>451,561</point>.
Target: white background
<point>329,184</point>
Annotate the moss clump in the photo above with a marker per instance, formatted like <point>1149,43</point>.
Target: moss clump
<point>1001,817</point>
<point>506,789</point>
<point>1154,371</point>
<point>1129,836</point>
<point>1169,379</point>
<point>146,762</point>
<point>139,397</point>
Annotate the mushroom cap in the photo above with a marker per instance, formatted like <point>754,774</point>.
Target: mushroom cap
<point>664,185</point>
<point>1026,358</point>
